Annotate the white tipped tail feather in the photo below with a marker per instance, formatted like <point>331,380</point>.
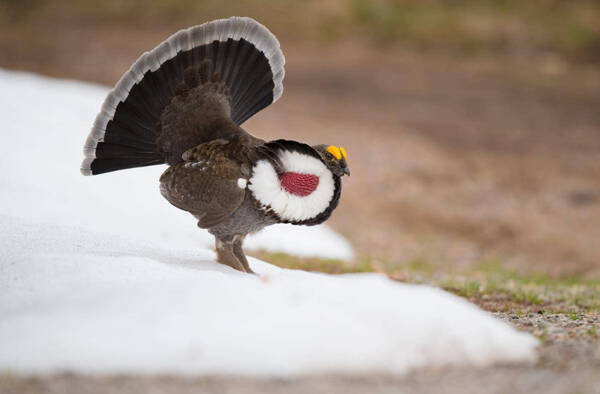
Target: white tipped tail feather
<point>139,149</point>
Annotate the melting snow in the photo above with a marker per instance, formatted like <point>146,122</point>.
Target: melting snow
<point>100,274</point>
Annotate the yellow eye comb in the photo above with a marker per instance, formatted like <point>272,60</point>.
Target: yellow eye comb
<point>334,151</point>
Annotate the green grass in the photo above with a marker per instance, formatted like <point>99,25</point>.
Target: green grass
<point>329,266</point>
<point>468,289</point>
<point>567,27</point>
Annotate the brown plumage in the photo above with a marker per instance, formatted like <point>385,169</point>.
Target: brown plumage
<point>182,104</point>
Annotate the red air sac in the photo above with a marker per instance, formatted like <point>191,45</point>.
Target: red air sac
<point>299,184</point>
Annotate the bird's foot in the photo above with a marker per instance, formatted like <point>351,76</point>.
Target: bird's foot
<point>239,253</point>
<point>231,261</point>
<point>231,254</point>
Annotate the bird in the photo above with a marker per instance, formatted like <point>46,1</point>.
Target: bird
<point>183,103</point>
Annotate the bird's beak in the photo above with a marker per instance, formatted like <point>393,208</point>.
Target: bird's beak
<point>347,171</point>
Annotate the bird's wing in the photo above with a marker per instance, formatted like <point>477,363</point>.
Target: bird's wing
<point>198,113</point>
<point>209,183</point>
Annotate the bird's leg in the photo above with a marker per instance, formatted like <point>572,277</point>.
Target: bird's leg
<point>238,240</point>
<point>226,255</point>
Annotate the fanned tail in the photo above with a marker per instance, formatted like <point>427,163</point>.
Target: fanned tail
<point>245,55</point>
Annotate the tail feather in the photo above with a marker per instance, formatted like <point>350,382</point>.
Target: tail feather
<point>245,55</point>
<point>107,165</point>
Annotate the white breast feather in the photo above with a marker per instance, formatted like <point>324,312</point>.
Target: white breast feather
<point>267,189</point>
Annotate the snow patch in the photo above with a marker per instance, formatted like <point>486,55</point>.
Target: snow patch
<point>102,275</point>
<point>313,241</point>
<point>74,300</point>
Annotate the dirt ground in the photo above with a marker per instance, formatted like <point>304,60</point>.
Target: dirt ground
<point>455,160</point>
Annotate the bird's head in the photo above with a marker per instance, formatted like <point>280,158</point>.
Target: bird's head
<point>335,158</point>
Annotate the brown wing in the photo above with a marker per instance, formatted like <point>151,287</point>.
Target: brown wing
<point>209,183</point>
<point>198,113</point>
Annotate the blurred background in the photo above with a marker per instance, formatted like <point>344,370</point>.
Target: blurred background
<point>472,127</point>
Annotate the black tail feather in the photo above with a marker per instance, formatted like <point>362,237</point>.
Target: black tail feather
<point>242,52</point>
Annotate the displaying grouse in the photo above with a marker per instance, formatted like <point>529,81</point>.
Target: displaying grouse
<point>182,104</point>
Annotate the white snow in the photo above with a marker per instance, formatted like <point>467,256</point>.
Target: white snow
<point>99,274</point>
<point>301,241</point>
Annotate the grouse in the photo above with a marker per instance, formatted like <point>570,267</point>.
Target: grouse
<point>182,104</point>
